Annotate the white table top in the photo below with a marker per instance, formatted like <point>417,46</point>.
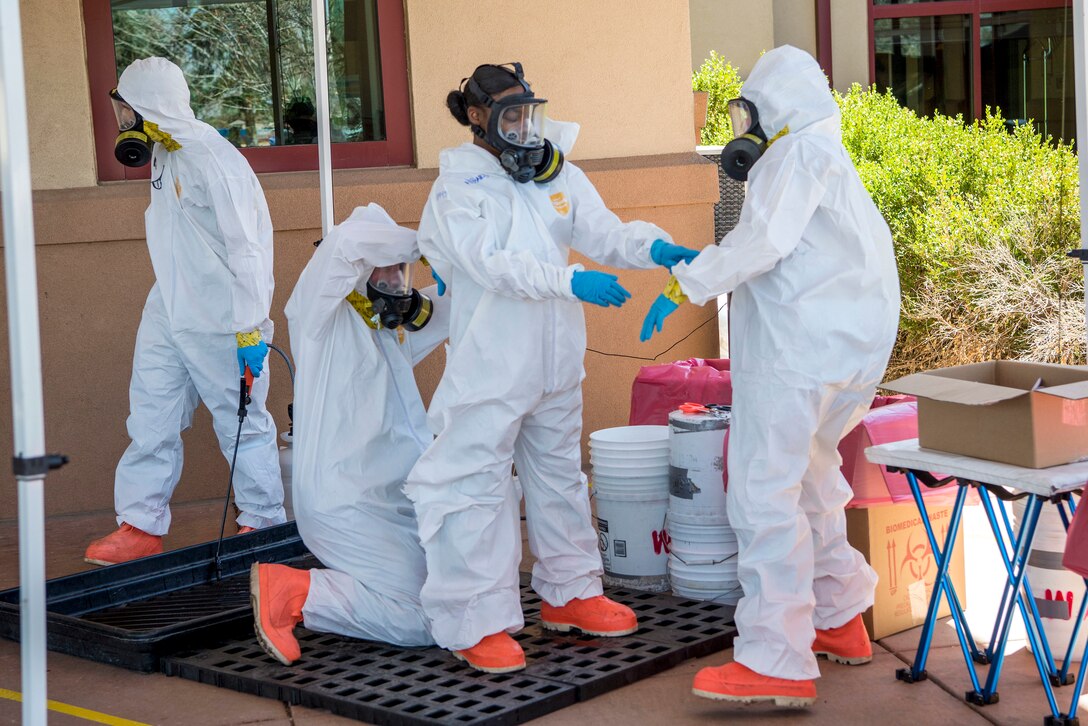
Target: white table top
<point>1046,482</point>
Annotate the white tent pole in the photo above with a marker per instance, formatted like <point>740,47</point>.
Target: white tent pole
<point>26,372</point>
<point>321,91</point>
<point>1080,65</point>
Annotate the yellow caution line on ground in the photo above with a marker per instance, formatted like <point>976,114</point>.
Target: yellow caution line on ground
<point>84,713</point>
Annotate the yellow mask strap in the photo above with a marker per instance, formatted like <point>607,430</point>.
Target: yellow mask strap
<point>156,134</point>
<point>778,136</point>
<point>674,293</point>
<point>364,307</point>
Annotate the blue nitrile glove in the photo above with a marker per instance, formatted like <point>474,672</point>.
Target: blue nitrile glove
<point>599,288</point>
<point>251,352</point>
<point>667,255</point>
<point>437,279</point>
<point>661,309</point>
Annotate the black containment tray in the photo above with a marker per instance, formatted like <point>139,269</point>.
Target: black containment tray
<point>391,686</point>
<point>135,613</point>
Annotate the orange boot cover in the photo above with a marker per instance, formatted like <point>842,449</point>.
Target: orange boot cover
<point>593,616</point>
<point>246,530</point>
<point>735,682</point>
<point>847,644</point>
<point>127,543</point>
<point>277,593</point>
<point>498,653</point>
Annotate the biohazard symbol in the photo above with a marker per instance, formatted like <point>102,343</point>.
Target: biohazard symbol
<point>661,541</point>
<point>918,558</point>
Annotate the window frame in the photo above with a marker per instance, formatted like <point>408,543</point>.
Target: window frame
<point>395,150</point>
<point>972,8</point>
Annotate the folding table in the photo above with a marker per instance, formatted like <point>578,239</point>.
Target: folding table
<point>1004,481</point>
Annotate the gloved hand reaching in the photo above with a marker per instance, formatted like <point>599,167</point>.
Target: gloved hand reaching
<point>599,288</point>
<point>664,306</point>
<point>667,255</point>
<point>438,280</point>
<point>251,352</point>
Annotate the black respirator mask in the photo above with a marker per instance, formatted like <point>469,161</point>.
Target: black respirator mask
<point>749,141</point>
<point>394,301</point>
<point>515,129</point>
<point>132,146</point>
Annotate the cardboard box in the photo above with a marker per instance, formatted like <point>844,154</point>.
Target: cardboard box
<point>1028,414</point>
<point>894,542</point>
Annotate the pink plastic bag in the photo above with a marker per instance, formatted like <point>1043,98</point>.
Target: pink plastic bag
<point>659,390</point>
<point>1076,543</point>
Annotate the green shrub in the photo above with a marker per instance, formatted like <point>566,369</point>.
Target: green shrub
<point>722,82</point>
<point>981,220</point>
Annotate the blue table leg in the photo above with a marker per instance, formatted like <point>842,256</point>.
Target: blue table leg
<point>1033,626</point>
<point>943,557</point>
<point>1016,571</point>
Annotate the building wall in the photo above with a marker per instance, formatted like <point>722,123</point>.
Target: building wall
<point>58,102</point>
<point>795,24</point>
<point>739,30</point>
<point>850,43</point>
<point>622,75</point>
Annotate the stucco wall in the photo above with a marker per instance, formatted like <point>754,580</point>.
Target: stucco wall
<point>621,72</point>
<point>850,43</point>
<point>58,103</point>
<point>739,30</point>
<point>795,24</point>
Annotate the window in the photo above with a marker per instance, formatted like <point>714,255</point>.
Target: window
<point>249,65</point>
<point>962,56</point>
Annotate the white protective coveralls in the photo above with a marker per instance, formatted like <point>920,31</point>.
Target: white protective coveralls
<point>210,239</point>
<point>813,318</point>
<point>511,391</point>
<point>360,425</point>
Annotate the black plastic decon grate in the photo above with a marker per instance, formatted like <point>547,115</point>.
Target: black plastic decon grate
<point>381,684</point>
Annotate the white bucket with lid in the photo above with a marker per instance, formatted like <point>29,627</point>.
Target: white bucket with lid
<point>703,558</point>
<point>1058,592</point>
<point>697,461</point>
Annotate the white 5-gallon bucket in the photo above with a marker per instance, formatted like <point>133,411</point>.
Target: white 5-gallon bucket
<point>631,490</point>
<point>697,462</point>
<point>286,462</point>
<point>703,558</point>
<point>1058,592</point>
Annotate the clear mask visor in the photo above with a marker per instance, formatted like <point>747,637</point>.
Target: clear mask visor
<point>126,117</point>
<point>521,124</point>
<point>393,280</point>
<point>742,115</point>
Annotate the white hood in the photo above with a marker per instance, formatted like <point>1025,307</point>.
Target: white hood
<point>789,88</point>
<point>157,90</point>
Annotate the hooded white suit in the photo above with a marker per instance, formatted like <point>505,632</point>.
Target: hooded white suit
<point>813,317</point>
<point>210,239</point>
<point>359,427</point>
<point>511,392</point>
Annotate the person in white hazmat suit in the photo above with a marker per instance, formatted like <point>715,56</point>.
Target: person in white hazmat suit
<point>359,427</point>
<point>205,320</point>
<point>814,314</point>
<point>498,226</point>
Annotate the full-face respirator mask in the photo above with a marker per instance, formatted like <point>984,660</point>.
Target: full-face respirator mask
<point>749,140</point>
<point>394,301</point>
<point>515,129</point>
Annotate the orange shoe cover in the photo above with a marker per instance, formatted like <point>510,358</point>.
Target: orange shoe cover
<point>498,653</point>
<point>593,616</point>
<point>123,545</point>
<point>734,682</point>
<point>848,644</point>
<point>277,593</point>
<point>246,530</point>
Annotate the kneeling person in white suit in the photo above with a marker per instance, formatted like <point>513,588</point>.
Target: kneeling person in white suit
<point>360,425</point>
